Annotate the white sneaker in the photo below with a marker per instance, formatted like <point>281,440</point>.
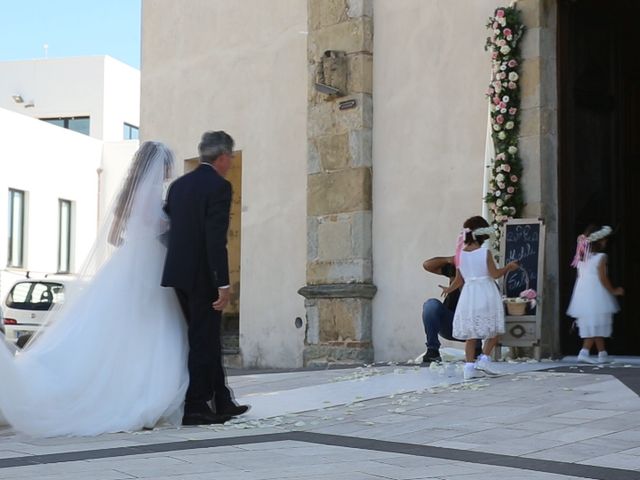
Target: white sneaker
<point>583,356</point>
<point>469,371</point>
<point>485,364</point>
<point>603,357</point>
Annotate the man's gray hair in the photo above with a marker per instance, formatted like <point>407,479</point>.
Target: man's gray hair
<point>214,144</point>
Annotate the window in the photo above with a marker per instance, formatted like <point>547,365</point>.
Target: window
<point>35,295</point>
<point>130,132</point>
<point>64,236</point>
<point>16,229</point>
<point>77,124</point>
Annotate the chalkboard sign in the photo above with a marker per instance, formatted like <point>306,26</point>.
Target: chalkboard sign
<point>523,241</point>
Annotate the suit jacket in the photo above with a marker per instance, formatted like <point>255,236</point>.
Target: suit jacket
<point>198,205</point>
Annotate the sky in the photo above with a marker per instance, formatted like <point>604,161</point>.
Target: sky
<point>70,28</point>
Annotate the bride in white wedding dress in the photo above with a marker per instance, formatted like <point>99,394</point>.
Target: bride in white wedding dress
<point>113,356</point>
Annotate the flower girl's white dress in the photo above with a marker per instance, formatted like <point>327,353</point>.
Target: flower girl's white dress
<point>480,312</point>
<point>592,304</point>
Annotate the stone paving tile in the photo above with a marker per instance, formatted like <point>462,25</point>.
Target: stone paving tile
<point>615,460</point>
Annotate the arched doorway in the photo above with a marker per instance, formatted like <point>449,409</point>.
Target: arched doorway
<point>599,149</point>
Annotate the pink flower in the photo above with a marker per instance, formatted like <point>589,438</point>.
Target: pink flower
<point>513,111</point>
<point>496,100</point>
<point>506,32</point>
<point>512,86</point>
<point>494,55</point>
<point>500,184</point>
<point>500,156</point>
<point>512,63</point>
<point>514,178</point>
<point>500,13</point>
<point>491,91</point>
<point>495,25</point>
<point>500,119</point>
<point>502,105</point>
<point>506,167</point>
<point>511,189</point>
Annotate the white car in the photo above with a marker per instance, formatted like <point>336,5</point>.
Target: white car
<point>27,303</point>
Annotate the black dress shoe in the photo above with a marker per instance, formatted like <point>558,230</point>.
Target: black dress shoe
<point>233,410</point>
<point>204,418</point>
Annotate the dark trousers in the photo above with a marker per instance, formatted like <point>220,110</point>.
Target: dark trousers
<point>438,320</point>
<point>206,372</point>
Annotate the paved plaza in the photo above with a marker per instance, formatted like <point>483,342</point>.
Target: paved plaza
<point>538,420</point>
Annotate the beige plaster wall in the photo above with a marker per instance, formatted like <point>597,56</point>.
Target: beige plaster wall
<point>430,120</point>
<point>241,67</point>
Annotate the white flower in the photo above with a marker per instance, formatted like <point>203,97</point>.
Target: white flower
<point>504,110</point>
<point>499,202</point>
<point>496,127</point>
<point>502,135</point>
<point>513,76</point>
<point>505,99</point>
<point>505,49</point>
<point>496,31</point>
<point>502,21</point>
<point>512,150</point>
<point>500,177</point>
<point>509,125</point>
<point>510,37</point>
<point>505,209</point>
<point>503,66</point>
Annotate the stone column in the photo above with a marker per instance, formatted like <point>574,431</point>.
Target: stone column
<point>339,286</point>
<point>539,146</point>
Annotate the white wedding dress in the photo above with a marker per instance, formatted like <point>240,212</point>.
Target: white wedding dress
<point>113,357</point>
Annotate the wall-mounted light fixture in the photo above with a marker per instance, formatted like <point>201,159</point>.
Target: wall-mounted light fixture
<point>17,98</point>
<point>331,74</point>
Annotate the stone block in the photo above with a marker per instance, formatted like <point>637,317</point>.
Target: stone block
<point>325,118</point>
<point>361,147</point>
<point>325,355</point>
<point>530,154</point>
<point>531,13</point>
<point>358,270</point>
<point>339,192</point>
<point>530,83</point>
<point>353,35</point>
<point>529,121</point>
<point>360,73</point>
<point>312,238</point>
<point>334,239</point>
<point>322,13</point>
<point>333,151</point>
<point>344,320</point>
<point>313,158</point>
<point>530,43</point>
<point>313,322</point>
<point>361,243</point>
<point>359,8</point>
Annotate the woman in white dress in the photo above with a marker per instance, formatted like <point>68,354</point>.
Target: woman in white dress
<point>480,312</point>
<point>113,356</point>
<point>592,302</point>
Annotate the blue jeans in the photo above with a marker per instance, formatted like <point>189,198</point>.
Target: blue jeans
<point>438,320</point>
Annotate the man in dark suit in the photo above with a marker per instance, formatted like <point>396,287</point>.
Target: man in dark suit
<point>196,266</point>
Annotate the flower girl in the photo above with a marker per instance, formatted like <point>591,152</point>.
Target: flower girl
<point>593,303</point>
<point>480,312</point>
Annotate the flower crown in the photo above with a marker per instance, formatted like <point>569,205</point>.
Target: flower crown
<point>474,233</point>
<point>605,231</point>
<point>583,248</point>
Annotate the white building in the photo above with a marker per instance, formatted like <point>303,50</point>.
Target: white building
<point>58,181</point>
